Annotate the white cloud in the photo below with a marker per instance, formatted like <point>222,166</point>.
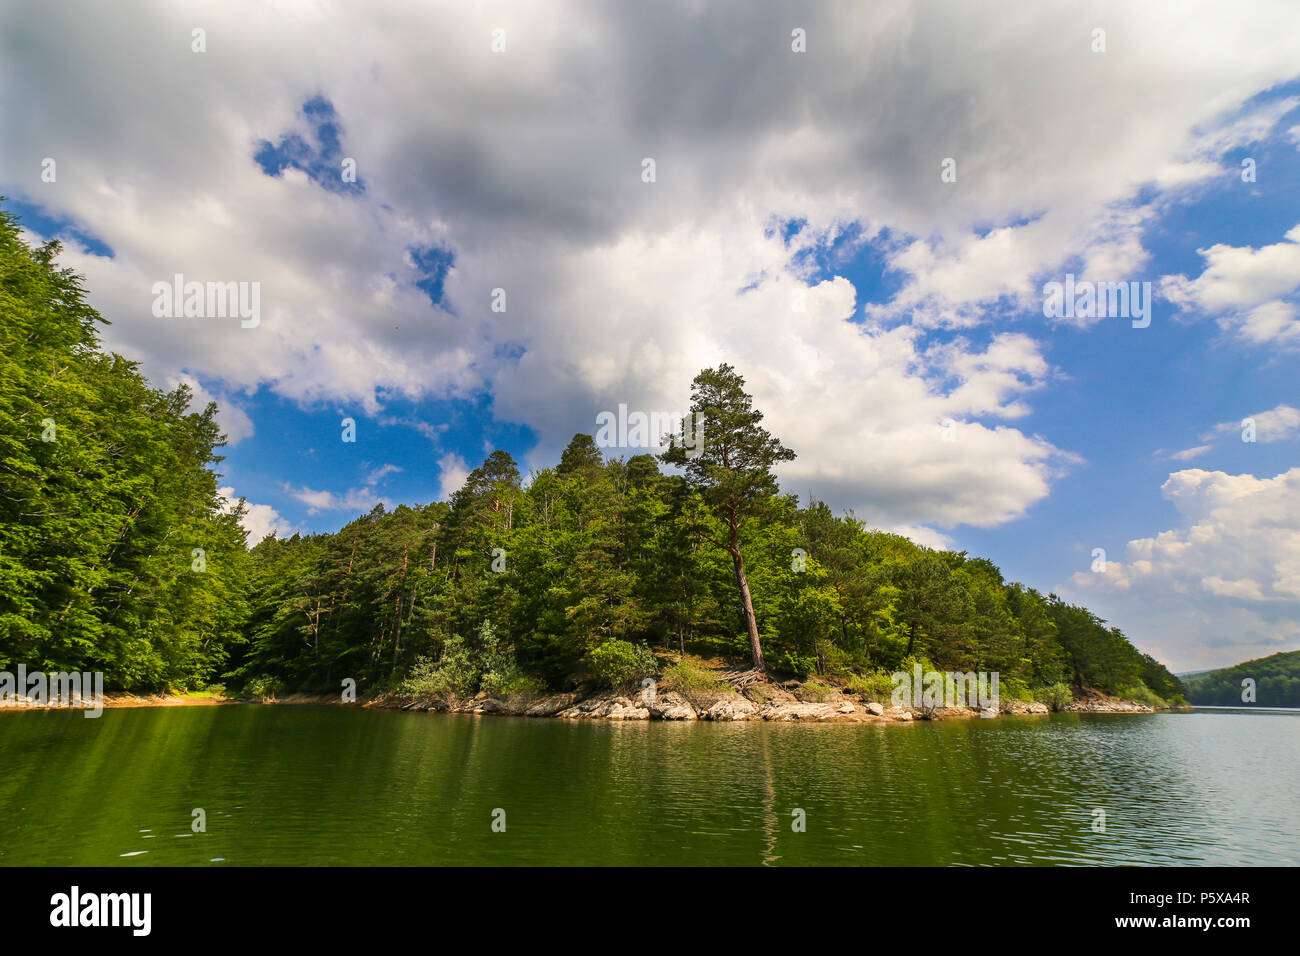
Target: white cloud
<point>527,164</point>
<point>354,499</point>
<point>258,520</point>
<point>380,473</point>
<point>1245,288</point>
<point>454,471</point>
<point>1281,423</point>
<point>1225,585</point>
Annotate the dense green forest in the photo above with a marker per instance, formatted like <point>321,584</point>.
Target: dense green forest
<point>108,501</point>
<point>116,554</point>
<point>1276,677</point>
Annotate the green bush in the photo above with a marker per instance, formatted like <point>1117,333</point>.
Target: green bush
<point>518,685</point>
<point>454,674</point>
<point>695,683</point>
<point>877,686</point>
<point>267,688</point>
<point>790,663</point>
<point>502,675</point>
<point>1056,696</point>
<point>1143,695</point>
<point>813,692</point>
<point>1012,688</point>
<point>908,666</point>
<point>622,664</point>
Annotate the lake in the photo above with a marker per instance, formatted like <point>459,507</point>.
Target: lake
<point>303,785</point>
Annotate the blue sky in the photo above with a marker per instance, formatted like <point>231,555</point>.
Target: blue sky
<point>384,200</point>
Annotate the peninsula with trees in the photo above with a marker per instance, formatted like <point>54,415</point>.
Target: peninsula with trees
<point>579,582</point>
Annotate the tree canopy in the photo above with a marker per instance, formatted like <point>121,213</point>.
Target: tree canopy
<point>117,552</point>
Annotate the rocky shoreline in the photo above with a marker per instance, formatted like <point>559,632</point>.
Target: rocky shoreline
<point>763,701</point>
<point>119,701</point>
<point>755,701</point>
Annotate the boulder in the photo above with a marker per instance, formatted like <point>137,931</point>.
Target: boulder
<point>732,708</point>
<point>875,709</point>
<point>620,708</point>
<point>551,705</point>
<point>605,708</point>
<point>671,706</point>
<point>590,708</point>
<point>953,713</point>
<point>799,711</point>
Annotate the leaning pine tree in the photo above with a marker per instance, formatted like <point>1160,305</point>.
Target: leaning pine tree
<point>728,459</point>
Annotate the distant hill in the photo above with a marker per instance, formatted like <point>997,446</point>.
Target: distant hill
<point>1277,682</point>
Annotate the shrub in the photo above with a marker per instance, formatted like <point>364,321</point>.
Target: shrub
<point>813,692</point>
<point>909,667</point>
<point>455,673</point>
<point>1012,688</point>
<point>877,686</point>
<point>1056,696</point>
<point>1143,695</point>
<point>517,686</point>
<point>623,664</point>
<point>502,675</point>
<point>790,663</point>
<point>695,683</point>
<point>264,686</point>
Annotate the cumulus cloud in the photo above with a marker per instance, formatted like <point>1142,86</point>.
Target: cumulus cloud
<point>453,472</point>
<point>521,172</point>
<point>1222,587</point>
<point>258,520</point>
<point>1246,289</point>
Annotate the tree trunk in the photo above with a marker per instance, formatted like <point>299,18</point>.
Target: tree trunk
<point>755,649</point>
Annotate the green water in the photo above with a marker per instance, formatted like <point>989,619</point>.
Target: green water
<point>318,785</point>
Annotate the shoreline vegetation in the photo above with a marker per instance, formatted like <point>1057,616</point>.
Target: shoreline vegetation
<point>558,592</point>
<point>717,693</point>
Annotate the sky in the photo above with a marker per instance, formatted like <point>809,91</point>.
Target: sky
<point>480,225</point>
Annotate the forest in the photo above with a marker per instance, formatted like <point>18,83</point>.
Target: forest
<point>117,554</point>
<point>1276,683</point>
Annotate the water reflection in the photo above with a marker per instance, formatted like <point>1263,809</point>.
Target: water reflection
<point>329,786</point>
